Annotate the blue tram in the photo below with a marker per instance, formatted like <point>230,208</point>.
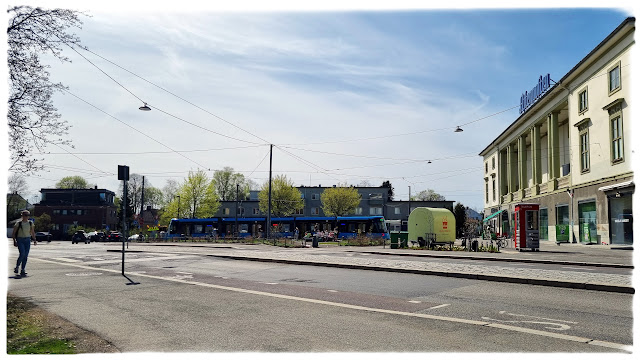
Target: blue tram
<point>281,227</point>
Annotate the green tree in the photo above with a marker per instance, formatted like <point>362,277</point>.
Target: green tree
<point>42,222</point>
<point>33,120</point>
<point>285,198</point>
<point>340,200</point>
<point>197,195</point>
<point>460,213</point>
<point>428,195</point>
<point>153,197</point>
<point>72,182</point>
<point>225,182</point>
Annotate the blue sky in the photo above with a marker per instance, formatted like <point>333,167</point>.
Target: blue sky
<point>346,96</point>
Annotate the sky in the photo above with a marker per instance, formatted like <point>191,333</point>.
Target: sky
<point>346,93</point>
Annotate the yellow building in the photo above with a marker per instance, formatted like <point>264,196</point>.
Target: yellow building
<point>569,151</point>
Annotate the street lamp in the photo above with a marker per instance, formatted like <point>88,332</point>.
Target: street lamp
<point>145,107</point>
<point>458,129</point>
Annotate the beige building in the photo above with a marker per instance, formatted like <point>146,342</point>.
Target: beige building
<point>569,151</point>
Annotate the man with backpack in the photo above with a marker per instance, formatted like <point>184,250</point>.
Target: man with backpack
<point>23,233</point>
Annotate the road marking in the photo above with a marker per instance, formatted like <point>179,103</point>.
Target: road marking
<point>594,342</point>
<point>332,290</point>
<point>537,317</point>
<point>271,283</point>
<point>182,272</point>
<point>66,260</point>
<point>438,306</point>
<point>573,267</point>
<point>415,301</point>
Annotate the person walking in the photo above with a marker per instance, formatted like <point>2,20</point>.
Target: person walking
<point>23,233</point>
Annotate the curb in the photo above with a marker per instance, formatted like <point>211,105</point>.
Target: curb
<point>558,262</point>
<point>496,278</point>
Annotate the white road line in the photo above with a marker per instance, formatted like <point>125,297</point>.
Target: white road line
<point>537,317</point>
<point>182,272</point>
<point>332,290</point>
<point>271,283</point>
<point>438,306</point>
<point>369,309</point>
<point>415,301</point>
<point>66,260</point>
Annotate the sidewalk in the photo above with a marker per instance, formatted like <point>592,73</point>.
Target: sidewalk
<point>413,262</point>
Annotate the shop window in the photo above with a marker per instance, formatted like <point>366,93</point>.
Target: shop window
<point>587,228</point>
<point>583,101</point>
<point>562,223</point>
<point>614,79</point>
<point>544,224</point>
<point>621,222</point>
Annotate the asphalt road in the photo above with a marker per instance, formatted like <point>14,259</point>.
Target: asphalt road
<point>193,302</point>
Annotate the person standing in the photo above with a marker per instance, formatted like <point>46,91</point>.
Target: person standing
<point>23,233</point>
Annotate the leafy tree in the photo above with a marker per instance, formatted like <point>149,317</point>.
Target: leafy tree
<point>387,184</point>
<point>42,222</point>
<point>340,200</point>
<point>428,195</point>
<point>460,213</point>
<point>134,185</point>
<point>153,197</point>
<point>72,182</point>
<point>33,120</point>
<point>169,191</point>
<point>285,198</point>
<point>197,195</point>
<point>17,189</point>
<point>225,182</point>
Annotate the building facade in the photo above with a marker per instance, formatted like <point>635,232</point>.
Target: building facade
<point>89,208</point>
<point>374,201</point>
<point>569,151</point>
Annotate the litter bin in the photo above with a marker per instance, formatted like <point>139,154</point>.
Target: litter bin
<point>403,237</point>
<point>315,242</point>
<point>394,239</point>
<point>474,245</point>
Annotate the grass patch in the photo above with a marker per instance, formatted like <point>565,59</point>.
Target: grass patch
<point>27,333</point>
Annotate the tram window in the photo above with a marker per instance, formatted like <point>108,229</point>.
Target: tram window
<point>244,228</point>
<point>197,229</point>
<point>532,220</point>
<point>286,227</point>
<point>351,227</point>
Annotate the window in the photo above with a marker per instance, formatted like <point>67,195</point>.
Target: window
<point>614,79</point>
<point>486,192</point>
<point>617,145</point>
<point>78,212</point>
<point>584,148</point>
<point>56,212</point>
<point>256,211</point>
<point>375,210</point>
<point>299,211</point>
<point>226,211</point>
<point>315,211</point>
<point>240,210</point>
<point>562,223</point>
<point>315,196</point>
<point>583,103</point>
<point>358,211</point>
<point>486,167</point>
<point>493,163</point>
<point>397,211</point>
<point>494,189</point>
<point>64,212</point>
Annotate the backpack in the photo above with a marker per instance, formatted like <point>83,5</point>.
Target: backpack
<point>20,227</point>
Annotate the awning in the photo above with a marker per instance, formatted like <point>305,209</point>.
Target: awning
<point>492,215</point>
<point>616,186</point>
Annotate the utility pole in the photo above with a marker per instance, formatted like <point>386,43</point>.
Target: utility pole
<point>142,198</point>
<point>409,212</point>
<point>237,209</point>
<point>269,206</point>
<point>123,174</point>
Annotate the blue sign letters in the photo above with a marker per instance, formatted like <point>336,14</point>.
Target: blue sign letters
<point>529,97</point>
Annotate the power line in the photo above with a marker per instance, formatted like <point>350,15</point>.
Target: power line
<point>152,152</point>
<point>113,117</point>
